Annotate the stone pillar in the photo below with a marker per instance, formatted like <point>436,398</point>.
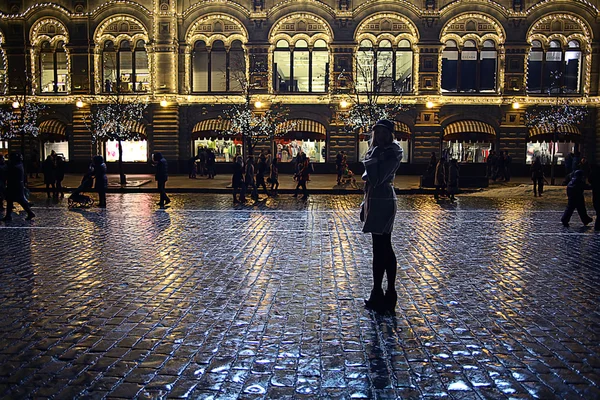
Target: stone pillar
<point>427,135</point>
<point>165,47</point>
<point>515,63</point>
<point>429,71</point>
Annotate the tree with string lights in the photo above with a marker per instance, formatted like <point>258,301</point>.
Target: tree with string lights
<point>365,97</point>
<point>554,117</point>
<point>253,121</point>
<point>116,120</point>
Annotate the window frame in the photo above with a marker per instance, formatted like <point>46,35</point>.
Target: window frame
<point>208,49</point>
<point>53,50</point>
<point>546,87</point>
<point>392,51</point>
<point>461,50</point>
<point>133,49</point>
<point>291,49</point>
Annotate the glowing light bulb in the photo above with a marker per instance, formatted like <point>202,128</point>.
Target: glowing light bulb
<point>429,104</point>
<point>516,105</point>
<point>258,104</point>
<point>16,104</point>
<point>163,103</point>
<point>343,104</point>
<point>79,104</point>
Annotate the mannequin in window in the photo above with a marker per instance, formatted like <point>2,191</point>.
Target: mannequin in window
<point>107,86</point>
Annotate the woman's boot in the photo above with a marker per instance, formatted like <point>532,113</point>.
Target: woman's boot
<point>391,298</point>
<point>376,301</point>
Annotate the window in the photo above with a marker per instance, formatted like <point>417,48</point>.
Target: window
<point>363,146</point>
<point>468,152</point>
<point>386,69</point>
<point>544,151</point>
<point>60,148</point>
<point>225,149</point>
<point>554,68</point>
<point>287,149</point>
<point>125,68</point>
<point>300,69</point>
<point>469,69</point>
<point>133,150</point>
<point>53,68</point>
<point>218,69</point>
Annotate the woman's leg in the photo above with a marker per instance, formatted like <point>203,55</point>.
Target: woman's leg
<point>379,258</point>
<point>390,262</point>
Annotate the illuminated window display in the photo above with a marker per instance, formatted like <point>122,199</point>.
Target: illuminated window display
<point>387,69</point>
<point>225,149</point>
<point>133,151</point>
<point>4,147</point>
<point>363,146</point>
<point>543,64</point>
<point>53,68</point>
<point>468,152</point>
<point>544,151</point>
<point>60,148</point>
<point>209,68</point>
<point>287,149</point>
<point>302,69</point>
<point>125,68</point>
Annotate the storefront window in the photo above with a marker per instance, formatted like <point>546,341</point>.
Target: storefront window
<point>287,149</point>
<point>225,149</point>
<point>544,151</point>
<point>469,69</point>
<point>60,148</point>
<point>301,69</point>
<point>543,66</point>
<point>363,146</point>
<point>126,68</point>
<point>4,147</point>
<point>133,151</point>
<point>53,68</point>
<point>365,68</point>
<point>468,152</point>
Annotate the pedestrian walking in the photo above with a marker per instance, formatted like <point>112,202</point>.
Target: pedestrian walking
<point>210,163</point>
<point>49,176</point>
<point>202,160</point>
<point>303,176</point>
<point>507,166</point>
<point>15,187</point>
<point>378,212</point>
<point>34,163</point>
<point>250,179</point>
<point>453,175</point>
<point>162,176</point>
<point>537,176</point>
<point>595,182</point>
<point>101,180</point>
<point>59,175</point>
<point>274,177</point>
<point>569,163</point>
<point>440,179</point>
<point>237,180</point>
<point>3,173</point>
<point>576,199</point>
<point>338,166</point>
<point>500,170</point>
<point>261,171</point>
<point>490,164</point>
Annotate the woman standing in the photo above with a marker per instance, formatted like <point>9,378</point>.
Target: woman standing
<point>59,176</point>
<point>537,176</point>
<point>101,180</point>
<point>49,177</point>
<point>274,178</point>
<point>15,188</point>
<point>378,211</point>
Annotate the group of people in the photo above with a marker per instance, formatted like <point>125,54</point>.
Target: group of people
<point>248,176</point>
<point>53,169</point>
<point>445,176</point>
<point>203,163</point>
<point>499,166</point>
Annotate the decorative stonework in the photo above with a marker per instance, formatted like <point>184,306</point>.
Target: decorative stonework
<point>387,23</point>
<point>474,23</point>
<point>49,29</point>
<point>304,23</point>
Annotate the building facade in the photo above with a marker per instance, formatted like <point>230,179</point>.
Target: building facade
<point>467,70</point>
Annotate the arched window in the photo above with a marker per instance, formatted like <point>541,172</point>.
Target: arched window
<point>385,69</point>
<point>469,69</point>
<point>53,68</point>
<point>125,68</point>
<point>554,70</point>
<point>301,69</point>
<point>218,69</point>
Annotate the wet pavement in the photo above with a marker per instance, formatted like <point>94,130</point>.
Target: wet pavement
<point>206,300</point>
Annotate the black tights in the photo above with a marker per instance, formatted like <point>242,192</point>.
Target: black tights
<point>384,261</point>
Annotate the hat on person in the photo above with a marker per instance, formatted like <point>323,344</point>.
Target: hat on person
<point>386,123</point>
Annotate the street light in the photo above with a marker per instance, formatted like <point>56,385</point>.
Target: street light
<point>163,103</point>
<point>79,103</point>
<point>429,104</point>
<point>343,104</point>
<point>16,104</point>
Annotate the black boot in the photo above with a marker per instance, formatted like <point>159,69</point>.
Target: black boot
<point>391,298</point>
<point>376,301</point>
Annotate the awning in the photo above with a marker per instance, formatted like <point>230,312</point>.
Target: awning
<point>546,133</point>
<point>401,131</point>
<point>210,128</point>
<point>136,128</point>
<point>469,131</point>
<point>53,129</point>
<point>301,129</point>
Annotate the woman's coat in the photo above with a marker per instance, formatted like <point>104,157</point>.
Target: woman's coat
<point>379,206</point>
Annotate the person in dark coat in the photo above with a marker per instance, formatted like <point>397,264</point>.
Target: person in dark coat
<point>192,167</point>
<point>439,179</point>
<point>378,212</point>
<point>237,180</point>
<point>48,168</point>
<point>595,182</point>
<point>210,163</point>
<point>491,163</point>
<point>576,199</point>
<point>34,165</point>
<point>261,171</point>
<point>15,187</point>
<point>302,176</point>
<point>3,172</point>
<point>162,176</point>
<point>507,166</point>
<point>537,176</point>
<point>453,175</point>
<point>59,175</point>
<point>274,177</point>
<point>338,166</point>
<point>101,180</point>
<point>250,179</point>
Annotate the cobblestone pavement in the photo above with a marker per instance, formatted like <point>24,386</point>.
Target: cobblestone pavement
<point>206,300</point>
